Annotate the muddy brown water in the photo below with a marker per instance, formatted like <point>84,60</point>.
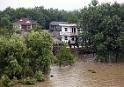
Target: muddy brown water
<point>80,75</point>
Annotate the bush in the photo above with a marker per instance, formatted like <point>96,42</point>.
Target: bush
<point>1,83</point>
<point>25,57</point>
<point>40,55</point>
<point>64,56</point>
<point>11,55</point>
<point>39,76</point>
<point>5,80</point>
<point>29,81</point>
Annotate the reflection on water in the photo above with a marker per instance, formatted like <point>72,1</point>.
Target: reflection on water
<point>78,75</point>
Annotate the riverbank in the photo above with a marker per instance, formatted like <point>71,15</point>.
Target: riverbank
<point>81,75</point>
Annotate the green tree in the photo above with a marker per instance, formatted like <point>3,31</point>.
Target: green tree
<point>64,56</point>
<point>94,2</point>
<point>101,27</point>
<point>39,45</point>
<point>11,55</point>
<point>25,58</point>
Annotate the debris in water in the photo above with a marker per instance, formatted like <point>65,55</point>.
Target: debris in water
<point>51,75</point>
<point>92,71</point>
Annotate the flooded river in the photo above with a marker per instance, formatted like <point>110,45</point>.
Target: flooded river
<point>81,75</point>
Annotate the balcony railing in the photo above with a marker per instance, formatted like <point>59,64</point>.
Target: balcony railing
<point>68,33</point>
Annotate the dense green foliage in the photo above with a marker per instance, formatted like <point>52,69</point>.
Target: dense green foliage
<point>11,54</point>
<point>25,58</point>
<point>39,46</point>
<point>28,81</point>
<point>39,76</point>
<point>102,28</point>
<point>65,56</point>
<point>40,14</point>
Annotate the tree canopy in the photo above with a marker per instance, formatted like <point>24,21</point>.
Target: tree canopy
<point>102,26</point>
<point>40,14</point>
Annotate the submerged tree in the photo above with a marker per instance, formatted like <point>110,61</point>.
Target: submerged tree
<point>65,56</point>
<point>25,58</point>
<point>39,45</point>
<point>102,26</point>
<point>11,55</point>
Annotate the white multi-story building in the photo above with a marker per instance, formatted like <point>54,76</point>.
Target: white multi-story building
<point>65,32</point>
<point>69,32</point>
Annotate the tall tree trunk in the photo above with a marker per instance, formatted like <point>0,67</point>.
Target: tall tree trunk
<point>116,58</point>
<point>110,57</point>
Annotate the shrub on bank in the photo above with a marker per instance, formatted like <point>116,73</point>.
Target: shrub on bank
<point>39,76</point>
<point>5,81</point>
<point>25,58</point>
<point>40,53</point>
<point>28,81</point>
<point>65,57</point>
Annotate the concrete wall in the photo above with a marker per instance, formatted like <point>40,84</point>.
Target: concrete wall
<point>69,34</point>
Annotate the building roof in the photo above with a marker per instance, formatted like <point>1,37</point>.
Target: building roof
<point>25,21</point>
<point>57,23</point>
<point>68,25</point>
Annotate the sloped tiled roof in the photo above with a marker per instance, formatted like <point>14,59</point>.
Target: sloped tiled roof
<point>24,21</point>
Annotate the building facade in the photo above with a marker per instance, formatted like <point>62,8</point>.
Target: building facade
<point>24,25</point>
<point>64,31</point>
<point>69,32</point>
<point>55,29</point>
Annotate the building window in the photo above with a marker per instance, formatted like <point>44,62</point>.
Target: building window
<point>72,38</point>
<point>28,27</point>
<point>73,30</point>
<point>65,29</point>
<point>24,27</point>
<point>66,38</point>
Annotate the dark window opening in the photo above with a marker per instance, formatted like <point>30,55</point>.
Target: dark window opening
<point>72,38</point>
<point>66,38</point>
<point>73,30</point>
<point>65,29</point>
